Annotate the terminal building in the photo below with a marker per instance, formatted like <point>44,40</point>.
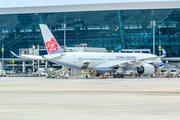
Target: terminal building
<point>113,26</point>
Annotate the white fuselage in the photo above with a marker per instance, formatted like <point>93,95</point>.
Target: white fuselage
<point>99,61</point>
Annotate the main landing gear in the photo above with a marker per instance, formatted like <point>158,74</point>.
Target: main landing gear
<point>118,75</point>
<point>138,75</point>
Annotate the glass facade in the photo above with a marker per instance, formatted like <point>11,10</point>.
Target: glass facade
<point>114,30</point>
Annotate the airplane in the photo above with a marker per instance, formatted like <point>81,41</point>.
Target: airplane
<point>145,64</point>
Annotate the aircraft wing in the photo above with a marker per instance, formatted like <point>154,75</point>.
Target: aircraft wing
<point>28,56</point>
<point>123,65</point>
<point>163,55</point>
<point>117,64</point>
<point>135,63</point>
<point>151,59</point>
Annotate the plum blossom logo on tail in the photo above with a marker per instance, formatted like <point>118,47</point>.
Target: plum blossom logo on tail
<point>52,45</point>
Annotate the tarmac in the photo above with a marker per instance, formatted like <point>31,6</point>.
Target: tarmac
<point>38,98</point>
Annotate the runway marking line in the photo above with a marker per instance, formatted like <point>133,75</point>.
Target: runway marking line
<point>161,91</point>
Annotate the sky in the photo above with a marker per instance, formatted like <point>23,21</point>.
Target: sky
<point>24,3</point>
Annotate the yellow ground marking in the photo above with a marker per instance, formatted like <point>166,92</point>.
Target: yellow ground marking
<point>161,91</point>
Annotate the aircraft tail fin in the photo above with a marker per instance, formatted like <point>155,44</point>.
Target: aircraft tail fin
<point>50,42</point>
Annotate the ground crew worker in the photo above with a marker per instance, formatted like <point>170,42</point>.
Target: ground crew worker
<point>52,75</point>
<point>85,75</point>
<point>171,74</point>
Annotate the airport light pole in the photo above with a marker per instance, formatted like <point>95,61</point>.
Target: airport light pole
<point>13,64</point>
<point>159,44</point>
<point>2,50</point>
<point>64,30</point>
<point>153,24</point>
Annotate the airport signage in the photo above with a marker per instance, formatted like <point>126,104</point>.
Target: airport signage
<point>159,48</point>
<point>2,49</point>
<point>12,60</point>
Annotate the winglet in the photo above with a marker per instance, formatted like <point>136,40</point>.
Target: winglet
<point>164,53</point>
<point>14,54</point>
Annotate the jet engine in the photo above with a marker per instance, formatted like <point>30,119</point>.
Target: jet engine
<point>146,69</point>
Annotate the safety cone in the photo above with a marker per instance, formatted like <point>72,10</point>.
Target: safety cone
<point>168,78</point>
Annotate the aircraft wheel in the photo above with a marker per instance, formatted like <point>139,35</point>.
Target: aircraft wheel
<point>122,76</point>
<point>139,75</point>
<point>114,75</point>
<point>118,76</point>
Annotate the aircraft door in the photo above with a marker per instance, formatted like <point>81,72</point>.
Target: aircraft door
<point>75,59</point>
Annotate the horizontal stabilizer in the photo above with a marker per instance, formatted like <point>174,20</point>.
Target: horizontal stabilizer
<point>14,54</point>
<point>34,57</point>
